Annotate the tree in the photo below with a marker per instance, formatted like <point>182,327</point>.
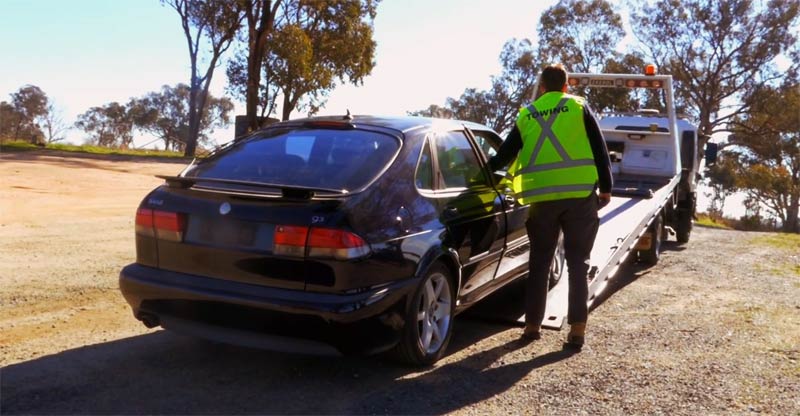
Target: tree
<point>473,105</point>
<point>498,106</point>
<point>767,141</point>
<point>164,114</point>
<point>53,124</point>
<point>580,34</point>
<point>212,24</point>
<point>260,20</point>
<point>300,49</point>
<point>9,118</point>
<point>433,110</point>
<point>715,50</point>
<point>29,104</point>
<point>721,182</point>
<point>110,125</point>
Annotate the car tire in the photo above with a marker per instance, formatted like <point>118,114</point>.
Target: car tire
<point>656,230</point>
<point>429,319</point>
<point>557,265</point>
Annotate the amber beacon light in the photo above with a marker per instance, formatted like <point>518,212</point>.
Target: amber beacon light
<point>649,69</point>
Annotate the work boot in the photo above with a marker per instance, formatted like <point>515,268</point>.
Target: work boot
<point>577,331</point>
<point>532,332</point>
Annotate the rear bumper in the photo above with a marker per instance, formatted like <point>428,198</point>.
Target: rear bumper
<point>364,321</point>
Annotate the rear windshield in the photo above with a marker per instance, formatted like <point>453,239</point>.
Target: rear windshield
<point>317,158</point>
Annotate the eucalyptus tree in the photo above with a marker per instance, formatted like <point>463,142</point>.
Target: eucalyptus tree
<point>299,50</point>
<point>165,114</point>
<point>209,26</point>
<point>716,51</point>
<point>110,125</point>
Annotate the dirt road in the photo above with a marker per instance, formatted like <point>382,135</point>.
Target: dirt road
<point>713,329</point>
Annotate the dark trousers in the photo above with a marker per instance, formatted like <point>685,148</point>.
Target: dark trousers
<point>577,218</point>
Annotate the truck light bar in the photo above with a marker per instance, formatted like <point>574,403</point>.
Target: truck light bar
<point>604,82</point>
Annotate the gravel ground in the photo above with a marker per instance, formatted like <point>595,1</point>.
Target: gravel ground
<point>712,329</point>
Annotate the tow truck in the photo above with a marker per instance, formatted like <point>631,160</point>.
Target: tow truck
<point>655,167</point>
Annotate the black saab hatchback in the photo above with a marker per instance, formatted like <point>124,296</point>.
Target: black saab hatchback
<point>330,235</point>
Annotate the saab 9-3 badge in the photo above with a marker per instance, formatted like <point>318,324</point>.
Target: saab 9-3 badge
<point>225,208</point>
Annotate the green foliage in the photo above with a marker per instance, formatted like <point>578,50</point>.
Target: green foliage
<point>209,25</point>
<point>721,180</point>
<point>108,126</point>
<point>165,114</point>
<point>766,141</point>
<point>788,242</point>
<point>21,119</point>
<point>300,49</point>
<point>579,34</point>
<point>91,149</point>
<point>712,221</point>
<point>497,107</point>
<point>715,51</point>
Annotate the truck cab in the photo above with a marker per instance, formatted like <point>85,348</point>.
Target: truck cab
<point>646,153</point>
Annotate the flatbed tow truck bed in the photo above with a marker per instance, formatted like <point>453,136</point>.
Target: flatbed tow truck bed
<point>622,222</point>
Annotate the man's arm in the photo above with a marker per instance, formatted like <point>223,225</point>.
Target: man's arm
<point>600,152</point>
<point>508,150</point>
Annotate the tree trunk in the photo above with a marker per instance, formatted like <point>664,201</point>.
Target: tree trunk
<point>287,107</point>
<point>191,140</point>
<point>792,223</point>
<point>259,27</point>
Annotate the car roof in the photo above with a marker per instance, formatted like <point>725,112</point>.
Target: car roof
<point>402,124</point>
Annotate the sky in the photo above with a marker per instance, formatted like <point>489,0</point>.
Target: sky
<point>85,53</point>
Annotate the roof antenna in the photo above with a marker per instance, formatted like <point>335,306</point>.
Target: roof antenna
<point>347,116</point>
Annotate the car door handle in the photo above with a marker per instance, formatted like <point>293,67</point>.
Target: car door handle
<point>510,200</point>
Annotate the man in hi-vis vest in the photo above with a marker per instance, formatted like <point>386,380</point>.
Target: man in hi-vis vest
<point>560,163</point>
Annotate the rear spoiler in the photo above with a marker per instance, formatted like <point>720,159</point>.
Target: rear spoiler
<point>293,192</point>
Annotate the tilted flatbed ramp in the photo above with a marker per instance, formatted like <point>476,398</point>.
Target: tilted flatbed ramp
<point>622,223</point>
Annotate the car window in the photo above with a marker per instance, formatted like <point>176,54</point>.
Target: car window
<point>488,141</point>
<point>458,163</point>
<point>320,158</point>
<point>424,177</point>
<point>300,146</point>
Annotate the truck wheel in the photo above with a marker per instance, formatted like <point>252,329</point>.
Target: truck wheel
<point>656,230</point>
<point>557,266</point>
<point>428,320</point>
<point>683,227</point>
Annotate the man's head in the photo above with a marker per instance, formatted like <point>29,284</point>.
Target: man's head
<point>554,78</point>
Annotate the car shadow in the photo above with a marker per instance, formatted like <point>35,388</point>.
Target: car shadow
<point>164,373</point>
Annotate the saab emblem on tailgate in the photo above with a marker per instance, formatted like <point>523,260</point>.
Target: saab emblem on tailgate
<point>225,208</point>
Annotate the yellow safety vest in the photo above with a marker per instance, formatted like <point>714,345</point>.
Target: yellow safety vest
<point>556,160</point>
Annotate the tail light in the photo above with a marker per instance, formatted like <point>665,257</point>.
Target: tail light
<point>318,242</point>
<point>290,240</point>
<point>163,225</point>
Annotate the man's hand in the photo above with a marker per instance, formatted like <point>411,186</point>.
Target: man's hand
<point>604,199</point>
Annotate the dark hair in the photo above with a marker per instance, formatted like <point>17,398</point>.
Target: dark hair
<point>554,77</point>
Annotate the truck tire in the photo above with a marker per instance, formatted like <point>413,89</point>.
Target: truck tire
<point>429,319</point>
<point>656,230</point>
<point>683,228</point>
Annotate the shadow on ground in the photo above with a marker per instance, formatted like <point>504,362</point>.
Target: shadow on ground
<point>163,373</point>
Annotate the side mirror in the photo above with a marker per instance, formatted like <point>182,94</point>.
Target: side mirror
<point>711,153</point>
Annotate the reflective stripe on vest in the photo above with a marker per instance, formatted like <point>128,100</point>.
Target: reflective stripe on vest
<point>553,174</point>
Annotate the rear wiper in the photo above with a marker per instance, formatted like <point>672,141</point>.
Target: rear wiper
<point>290,191</point>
